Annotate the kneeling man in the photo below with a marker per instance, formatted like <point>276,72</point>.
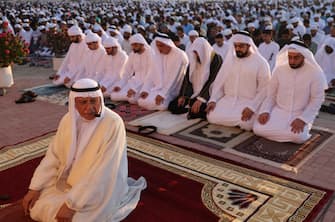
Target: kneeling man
<point>294,96</point>
<point>84,174</point>
<point>240,86</point>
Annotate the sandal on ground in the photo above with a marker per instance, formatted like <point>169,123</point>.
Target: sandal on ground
<point>25,99</point>
<point>31,94</point>
<point>110,105</point>
<point>3,91</point>
<point>146,130</point>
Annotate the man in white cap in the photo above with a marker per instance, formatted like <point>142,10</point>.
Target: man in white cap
<point>194,94</point>
<point>166,74</point>
<point>192,35</point>
<point>114,32</point>
<point>227,33</point>
<point>319,21</point>
<point>111,66</point>
<point>294,96</point>
<point>330,22</point>
<point>91,58</point>
<point>317,36</point>
<point>99,30</point>
<point>136,70</point>
<point>268,48</point>
<point>298,28</point>
<point>240,85</point>
<point>126,46</point>
<point>26,33</point>
<point>220,46</point>
<point>84,174</point>
<point>72,61</point>
<point>325,57</point>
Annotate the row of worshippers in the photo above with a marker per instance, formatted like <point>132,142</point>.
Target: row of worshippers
<point>236,91</point>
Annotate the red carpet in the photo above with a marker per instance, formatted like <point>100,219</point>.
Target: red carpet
<point>15,181</point>
<point>168,197</point>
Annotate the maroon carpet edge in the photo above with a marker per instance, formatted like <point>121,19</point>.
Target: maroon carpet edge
<point>26,140</point>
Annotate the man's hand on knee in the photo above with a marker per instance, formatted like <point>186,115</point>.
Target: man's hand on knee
<point>29,200</point>
<point>144,95</point>
<point>297,126</point>
<point>263,118</point>
<point>247,114</point>
<point>67,80</point>
<point>210,107</point>
<point>65,214</point>
<point>159,100</point>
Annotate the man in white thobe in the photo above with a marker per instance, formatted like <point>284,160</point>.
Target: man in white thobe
<point>294,96</point>
<point>325,57</point>
<point>240,85</point>
<point>84,174</point>
<point>91,58</point>
<point>220,46</point>
<point>136,70</point>
<point>269,49</point>
<point>111,66</point>
<point>317,35</point>
<point>73,58</point>
<point>126,46</point>
<point>166,74</point>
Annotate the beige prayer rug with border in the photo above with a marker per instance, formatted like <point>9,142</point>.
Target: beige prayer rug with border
<point>166,122</point>
<point>231,192</point>
<point>288,156</point>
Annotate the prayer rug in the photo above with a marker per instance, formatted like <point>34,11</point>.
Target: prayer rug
<point>129,112</point>
<point>182,184</point>
<point>166,122</point>
<point>288,156</point>
<point>330,95</point>
<point>215,136</point>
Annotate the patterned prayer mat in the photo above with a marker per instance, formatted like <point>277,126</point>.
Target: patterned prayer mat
<point>287,156</point>
<point>215,136</point>
<point>129,112</point>
<point>166,122</point>
<point>231,192</point>
<point>330,96</point>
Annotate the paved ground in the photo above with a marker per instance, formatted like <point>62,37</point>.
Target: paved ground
<point>23,121</point>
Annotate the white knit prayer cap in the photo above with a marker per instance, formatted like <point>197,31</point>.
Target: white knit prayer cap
<point>127,28</point>
<point>294,20</point>
<point>92,37</point>
<point>138,38</point>
<point>110,42</point>
<point>330,19</point>
<point>193,33</point>
<point>97,28</point>
<point>74,30</point>
<point>227,32</point>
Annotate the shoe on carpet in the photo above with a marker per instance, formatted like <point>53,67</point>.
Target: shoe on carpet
<point>25,99</point>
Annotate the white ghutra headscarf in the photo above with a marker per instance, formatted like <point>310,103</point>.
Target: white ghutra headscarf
<point>82,88</point>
